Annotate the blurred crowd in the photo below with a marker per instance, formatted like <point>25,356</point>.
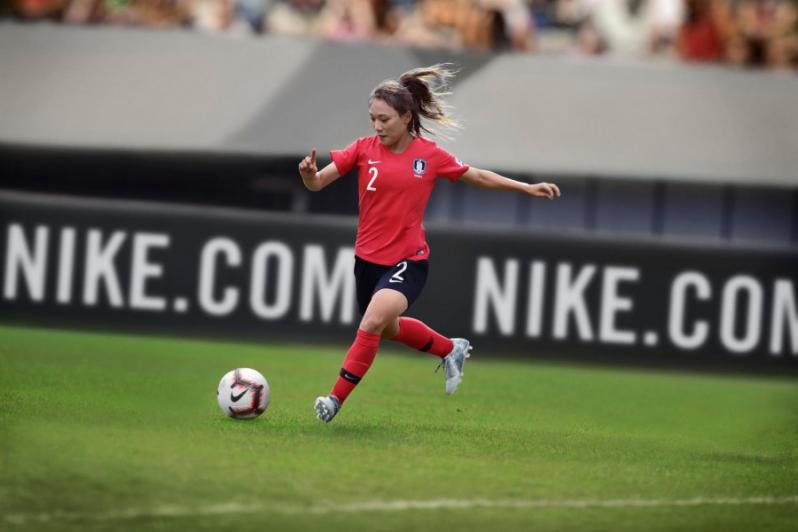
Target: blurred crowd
<point>756,33</point>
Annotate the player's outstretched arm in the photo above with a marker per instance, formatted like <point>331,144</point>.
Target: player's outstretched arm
<point>493,181</point>
<point>311,177</point>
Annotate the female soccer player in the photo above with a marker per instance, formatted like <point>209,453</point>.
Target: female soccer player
<point>397,169</point>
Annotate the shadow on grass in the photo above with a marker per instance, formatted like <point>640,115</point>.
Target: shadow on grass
<point>308,426</point>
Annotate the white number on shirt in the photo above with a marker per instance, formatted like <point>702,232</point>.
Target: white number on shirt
<point>397,277</point>
<point>369,187</point>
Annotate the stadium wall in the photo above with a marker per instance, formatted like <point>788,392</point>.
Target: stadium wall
<point>154,267</point>
<point>171,91</point>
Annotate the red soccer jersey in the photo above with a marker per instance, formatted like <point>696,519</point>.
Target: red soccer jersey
<point>393,190</point>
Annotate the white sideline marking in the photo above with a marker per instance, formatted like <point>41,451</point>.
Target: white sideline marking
<point>385,506</point>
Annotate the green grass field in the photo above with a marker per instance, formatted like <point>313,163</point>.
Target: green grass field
<point>105,432</point>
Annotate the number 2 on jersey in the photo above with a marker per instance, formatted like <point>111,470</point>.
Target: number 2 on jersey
<point>370,186</point>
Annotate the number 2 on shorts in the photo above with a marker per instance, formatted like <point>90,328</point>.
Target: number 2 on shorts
<point>397,277</point>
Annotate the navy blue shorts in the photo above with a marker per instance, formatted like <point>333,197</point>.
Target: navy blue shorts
<point>407,277</point>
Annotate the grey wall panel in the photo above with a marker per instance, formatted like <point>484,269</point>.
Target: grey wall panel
<point>762,215</point>
<point>637,120</point>
<point>693,211</point>
<point>624,207</point>
<point>483,207</point>
<point>569,212</point>
<point>441,204</point>
<point>112,87</point>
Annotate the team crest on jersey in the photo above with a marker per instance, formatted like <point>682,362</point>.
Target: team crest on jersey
<point>419,167</point>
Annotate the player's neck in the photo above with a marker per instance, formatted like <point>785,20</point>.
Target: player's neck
<point>402,144</point>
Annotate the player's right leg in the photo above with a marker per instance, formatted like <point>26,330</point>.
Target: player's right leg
<point>384,308</point>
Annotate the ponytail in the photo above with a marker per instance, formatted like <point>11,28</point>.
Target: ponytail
<point>421,92</point>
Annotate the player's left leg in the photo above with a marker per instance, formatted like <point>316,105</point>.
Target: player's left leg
<point>385,306</point>
<point>409,278</point>
<point>452,351</point>
<point>418,335</point>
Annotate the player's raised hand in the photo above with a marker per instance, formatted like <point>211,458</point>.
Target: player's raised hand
<point>307,167</point>
<point>544,190</point>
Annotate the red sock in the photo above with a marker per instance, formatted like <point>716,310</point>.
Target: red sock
<point>416,334</point>
<point>356,363</point>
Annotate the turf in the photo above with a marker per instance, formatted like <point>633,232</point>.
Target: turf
<point>107,432</point>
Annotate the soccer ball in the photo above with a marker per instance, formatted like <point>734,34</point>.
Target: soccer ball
<point>243,393</point>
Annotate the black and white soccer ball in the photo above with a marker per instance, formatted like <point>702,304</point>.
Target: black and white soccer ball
<point>243,393</point>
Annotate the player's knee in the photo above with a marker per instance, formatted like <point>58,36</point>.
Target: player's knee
<point>391,329</point>
<point>373,323</point>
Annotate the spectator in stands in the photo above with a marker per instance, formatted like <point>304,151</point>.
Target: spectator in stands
<point>295,17</point>
<point>637,27</point>
<point>482,27</point>
<point>349,20</point>
<point>704,35</point>
<point>572,13</point>
<point>577,16</point>
<point>150,13</point>
<point>588,39</point>
<point>481,24</point>
<point>84,11</point>
<point>252,13</point>
<point>415,27</point>
<point>211,15</point>
<point>543,12</point>
<point>387,17</point>
<point>519,25</point>
<point>38,9</point>
<point>764,33</point>
<point>665,19</point>
<point>757,33</point>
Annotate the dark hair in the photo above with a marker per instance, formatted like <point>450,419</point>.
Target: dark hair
<point>421,92</point>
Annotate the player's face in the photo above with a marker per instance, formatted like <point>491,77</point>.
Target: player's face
<point>387,123</point>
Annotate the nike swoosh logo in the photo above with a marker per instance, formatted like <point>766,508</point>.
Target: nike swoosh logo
<point>394,281</point>
<point>235,398</point>
<point>374,162</point>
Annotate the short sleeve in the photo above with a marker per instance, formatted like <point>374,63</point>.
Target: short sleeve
<point>450,166</point>
<point>346,159</point>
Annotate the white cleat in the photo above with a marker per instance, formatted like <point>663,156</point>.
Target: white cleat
<point>453,363</point>
<point>326,407</point>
